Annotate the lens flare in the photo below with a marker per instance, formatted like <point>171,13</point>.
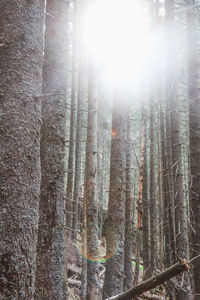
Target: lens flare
<point>104,254</point>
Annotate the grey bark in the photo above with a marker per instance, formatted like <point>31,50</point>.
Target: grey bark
<point>145,205</point>
<point>115,225</point>
<point>71,156</point>
<point>128,242</point>
<point>152,206</point>
<point>50,248</point>
<point>91,192</point>
<point>176,163</point>
<point>21,56</point>
<point>194,129</point>
<point>78,152</point>
<point>170,90</point>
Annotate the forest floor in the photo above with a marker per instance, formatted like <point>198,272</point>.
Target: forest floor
<point>75,270</point>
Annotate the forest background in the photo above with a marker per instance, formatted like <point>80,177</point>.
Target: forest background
<point>99,147</point>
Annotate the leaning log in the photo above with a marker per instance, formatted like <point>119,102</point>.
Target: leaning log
<point>152,282</point>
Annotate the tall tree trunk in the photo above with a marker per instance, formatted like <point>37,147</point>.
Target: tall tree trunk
<point>78,152</point>
<point>71,155</point>
<point>152,206</point>
<point>181,246</point>
<point>91,192</point>
<point>194,128</point>
<point>50,248</point>
<point>115,225</point>
<point>166,199</point>
<point>21,56</point>
<point>128,242</point>
<point>160,195</point>
<point>170,89</point>
<point>145,203</point>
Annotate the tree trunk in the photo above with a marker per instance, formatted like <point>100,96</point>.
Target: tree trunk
<point>21,56</point>
<point>170,88</point>
<point>176,166</point>
<point>115,224</point>
<point>152,207</point>
<point>78,152</point>
<point>71,155</point>
<point>128,242</point>
<point>50,248</point>
<point>91,192</point>
<point>194,128</point>
<point>145,204</point>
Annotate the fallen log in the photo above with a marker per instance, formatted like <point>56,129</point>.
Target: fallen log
<point>152,282</point>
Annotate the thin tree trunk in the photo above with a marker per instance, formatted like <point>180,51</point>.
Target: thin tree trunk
<point>194,128</point>
<point>160,193</point>
<point>71,155</point>
<point>50,248</point>
<point>83,291</point>
<point>145,204</point>
<point>170,89</point>
<point>78,152</point>
<point>21,56</point>
<point>128,242</point>
<point>165,196</point>
<point>152,208</point>
<point>115,224</point>
<point>91,192</point>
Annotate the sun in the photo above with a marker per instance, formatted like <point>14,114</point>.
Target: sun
<point>116,37</point>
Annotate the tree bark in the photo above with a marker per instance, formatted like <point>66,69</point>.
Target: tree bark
<point>152,282</point>
<point>181,247</point>
<point>91,192</point>
<point>128,242</point>
<point>50,248</point>
<point>78,152</point>
<point>115,224</point>
<point>21,57</point>
<point>145,203</point>
<point>71,155</point>
<point>152,206</point>
<point>194,129</point>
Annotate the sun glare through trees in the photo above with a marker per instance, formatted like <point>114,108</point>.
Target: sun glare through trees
<point>117,36</point>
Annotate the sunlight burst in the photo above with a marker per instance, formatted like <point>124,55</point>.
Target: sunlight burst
<point>116,37</point>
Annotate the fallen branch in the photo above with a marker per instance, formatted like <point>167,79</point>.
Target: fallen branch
<point>74,282</point>
<point>74,269</point>
<point>153,282</point>
<point>151,297</point>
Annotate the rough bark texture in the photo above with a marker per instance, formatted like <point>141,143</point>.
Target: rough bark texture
<point>128,242</point>
<point>170,90</point>
<point>194,127</point>
<point>91,193</point>
<point>114,276</point>
<point>50,248</point>
<point>152,206</point>
<point>145,204</point>
<point>71,156</point>
<point>176,166</point>
<point>152,282</point>
<point>21,56</point>
<point>78,151</point>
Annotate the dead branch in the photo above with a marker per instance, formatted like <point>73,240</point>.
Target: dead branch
<point>151,283</point>
<point>151,297</point>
